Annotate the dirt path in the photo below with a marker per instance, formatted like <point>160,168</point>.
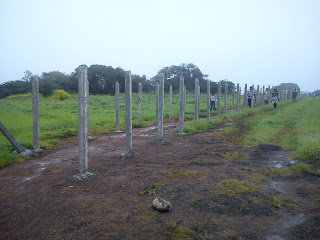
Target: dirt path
<point>38,201</point>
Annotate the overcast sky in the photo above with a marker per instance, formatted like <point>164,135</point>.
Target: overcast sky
<point>263,42</point>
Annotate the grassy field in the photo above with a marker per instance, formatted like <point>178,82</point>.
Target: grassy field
<point>295,126</point>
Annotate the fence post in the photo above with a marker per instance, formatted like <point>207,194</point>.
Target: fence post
<point>182,99</point>
<point>233,97</point>
<point>117,98</point>
<point>160,113</point>
<point>14,143</point>
<point>258,96</point>
<point>219,97</point>
<point>83,91</point>
<point>35,114</point>
<point>208,99</point>
<point>238,92</point>
<point>225,97</point>
<point>239,96</point>
<point>170,102</point>
<point>140,102</point>
<point>245,96</point>
<point>128,131</point>
<point>196,99</point>
<point>157,101</point>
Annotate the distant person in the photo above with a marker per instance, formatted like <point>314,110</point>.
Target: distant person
<point>266,97</point>
<point>294,94</point>
<point>213,100</point>
<point>250,95</point>
<point>275,99</point>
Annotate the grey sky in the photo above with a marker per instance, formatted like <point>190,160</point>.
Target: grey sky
<point>253,42</point>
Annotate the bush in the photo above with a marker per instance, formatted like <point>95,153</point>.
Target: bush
<point>60,94</point>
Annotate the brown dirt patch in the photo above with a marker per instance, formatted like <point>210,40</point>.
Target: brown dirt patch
<point>39,201</point>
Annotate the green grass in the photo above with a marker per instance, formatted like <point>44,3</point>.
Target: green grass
<point>294,127</point>
<point>186,173</point>
<point>234,156</point>
<point>279,202</point>
<point>234,187</point>
<point>179,232</point>
<point>298,168</point>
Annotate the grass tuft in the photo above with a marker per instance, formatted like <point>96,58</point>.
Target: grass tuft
<point>234,186</point>
<point>186,173</point>
<point>235,156</point>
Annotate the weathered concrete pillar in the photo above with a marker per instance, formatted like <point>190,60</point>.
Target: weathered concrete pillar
<point>161,102</point>
<point>13,141</point>
<point>117,98</point>
<point>263,92</point>
<point>219,97</point>
<point>128,131</point>
<point>35,114</point>
<point>240,104</point>
<point>208,99</point>
<point>182,100</point>
<point>269,95</point>
<point>232,97</point>
<point>196,100</point>
<point>128,92</point>
<point>170,102</point>
<point>238,99</point>
<point>83,119</point>
<point>245,96</point>
<point>83,87</point>
<point>258,96</point>
<point>225,97</point>
<point>253,97</point>
<point>140,102</point>
<point>157,101</point>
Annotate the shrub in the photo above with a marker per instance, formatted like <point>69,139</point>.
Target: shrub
<point>60,94</point>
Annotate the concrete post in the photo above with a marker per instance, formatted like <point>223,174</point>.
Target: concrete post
<point>253,97</point>
<point>161,102</point>
<point>208,99</point>
<point>128,131</point>
<point>196,99</point>
<point>170,102</point>
<point>269,95</point>
<point>140,102</point>
<point>232,97</point>
<point>35,114</point>
<point>128,90</point>
<point>83,92</point>
<point>182,99</point>
<point>219,97</point>
<point>258,96</point>
<point>240,102</point>
<point>245,96</point>
<point>157,101</point>
<point>117,98</point>
<point>263,91</point>
<point>238,99</point>
<point>11,139</point>
<point>225,97</point>
<point>83,119</point>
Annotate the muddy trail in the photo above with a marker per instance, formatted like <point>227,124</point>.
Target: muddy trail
<point>39,201</point>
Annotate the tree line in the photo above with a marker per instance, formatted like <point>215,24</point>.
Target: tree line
<point>102,80</point>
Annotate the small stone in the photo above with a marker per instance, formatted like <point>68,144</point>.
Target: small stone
<point>161,204</point>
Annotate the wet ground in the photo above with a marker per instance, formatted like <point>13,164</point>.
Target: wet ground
<point>39,201</point>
